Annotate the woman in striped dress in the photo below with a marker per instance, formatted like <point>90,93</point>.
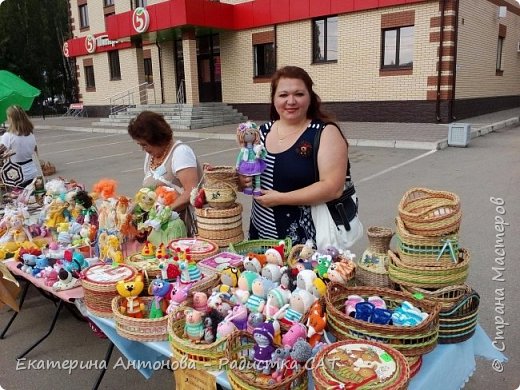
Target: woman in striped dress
<point>288,182</point>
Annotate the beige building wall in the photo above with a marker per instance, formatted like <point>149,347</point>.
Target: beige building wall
<point>354,77</point>
<point>476,58</point>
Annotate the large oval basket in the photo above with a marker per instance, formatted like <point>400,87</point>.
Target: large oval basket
<point>427,212</point>
<point>409,340</point>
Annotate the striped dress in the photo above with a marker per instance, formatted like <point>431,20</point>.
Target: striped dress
<point>287,171</point>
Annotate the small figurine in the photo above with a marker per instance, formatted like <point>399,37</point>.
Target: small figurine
<point>295,332</point>
<point>245,284</point>
<point>160,289</point>
<point>254,262</point>
<point>226,326</point>
<point>250,160</point>
<point>324,262</point>
<point>264,347</point>
<point>275,255</point>
<point>316,323</point>
<point>272,272</point>
<point>229,279</point>
<point>300,353</point>
<point>256,301</point>
<point>194,327</point>
<point>177,296</point>
<point>277,361</point>
<point>240,316</point>
<point>305,280</point>
<point>131,305</point>
<point>200,302</point>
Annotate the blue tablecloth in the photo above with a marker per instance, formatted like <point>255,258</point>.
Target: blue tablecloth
<point>456,359</point>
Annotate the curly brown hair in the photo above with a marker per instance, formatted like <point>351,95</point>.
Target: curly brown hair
<point>150,127</point>
<point>294,72</point>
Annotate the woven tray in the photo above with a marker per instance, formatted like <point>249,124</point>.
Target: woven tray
<point>335,366</point>
<point>99,286</point>
<point>139,329</point>
<point>239,345</point>
<point>259,246</point>
<point>409,340</point>
<point>429,277</point>
<point>419,250</point>
<point>459,323</point>
<point>210,212</point>
<point>430,213</point>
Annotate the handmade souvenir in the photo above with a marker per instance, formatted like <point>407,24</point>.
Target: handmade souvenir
<point>250,160</point>
<point>194,327</point>
<point>226,326</point>
<point>254,262</point>
<point>272,272</point>
<point>105,191</point>
<point>295,332</point>
<point>316,323</point>
<point>229,279</point>
<point>178,295</point>
<point>131,305</point>
<point>275,255</point>
<point>264,347</point>
<point>160,289</point>
<point>197,248</point>
<point>220,262</point>
<point>200,302</point>
<point>278,358</point>
<point>245,284</point>
<point>259,289</point>
<point>65,281</point>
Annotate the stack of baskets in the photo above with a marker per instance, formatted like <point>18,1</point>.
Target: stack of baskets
<point>430,263</point>
<point>221,220</point>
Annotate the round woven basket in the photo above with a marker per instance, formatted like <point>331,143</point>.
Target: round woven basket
<point>447,297</point>
<point>199,247</point>
<point>372,277</point>
<point>220,197</point>
<point>220,234</point>
<point>430,213</point>
<point>213,213</point>
<point>148,267</point>
<point>229,241</point>
<point>203,221</point>
<point>99,286</point>
<point>335,365</point>
<point>429,276</point>
<point>220,225</point>
<point>420,250</point>
<point>215,176</point>
<point>238,353</point>
<point>295,254</point>
<point>409,340</point>
<point>139,329</point>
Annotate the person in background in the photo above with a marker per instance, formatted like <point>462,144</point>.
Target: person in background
<point>168,162</point>
<point>288,182</point>
<point>19,138</point>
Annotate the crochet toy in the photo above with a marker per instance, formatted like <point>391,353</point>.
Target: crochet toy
<point>160,289</point>
<point>316,323</point>
<point>105,191</point>
<point>250,160</point>
<point>194,327</point>
<point>131,305</point>
<point>166,224</point>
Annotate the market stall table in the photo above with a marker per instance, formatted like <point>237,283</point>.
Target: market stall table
<point>456,359</point>
<point>63,298</point>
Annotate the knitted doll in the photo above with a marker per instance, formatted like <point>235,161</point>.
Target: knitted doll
<point>166,223</point>
<point>250,160</point>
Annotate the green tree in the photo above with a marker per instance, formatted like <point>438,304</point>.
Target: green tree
<point>32,33</point>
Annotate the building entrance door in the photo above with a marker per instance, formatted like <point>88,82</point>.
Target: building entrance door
<point>208,62</point>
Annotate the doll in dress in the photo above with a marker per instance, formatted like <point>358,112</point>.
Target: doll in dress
<point>166,224</point>
<point>250,160</point>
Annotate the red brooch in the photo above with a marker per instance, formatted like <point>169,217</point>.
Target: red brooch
<point>304,149</point>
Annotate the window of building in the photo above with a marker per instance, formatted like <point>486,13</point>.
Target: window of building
<point>107,3</point>
<point>139,3</point>
<point>148,71</point>
<point>500,47</point>
<point>83,16</point>
<point>265,64</point>
<point>113,64</point>
<point>325,39</point>
<point>90,82</point>
<point>397,47</point>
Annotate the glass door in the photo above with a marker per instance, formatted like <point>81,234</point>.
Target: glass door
<point>208,62</point>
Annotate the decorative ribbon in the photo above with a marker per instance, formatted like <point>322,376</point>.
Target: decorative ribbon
<point>447,245</point>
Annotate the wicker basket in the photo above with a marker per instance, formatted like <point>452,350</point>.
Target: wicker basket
<point>370,277</point>
<point>212,213</point>
<point>139,329</point>
<point>220,197</point>
<point>213,265</point>
<point>220,234</point>
<point>148,267</point>
<point>419,250</point>
<point>199,247</point>
<point>239,345</point>
<point>447,297</point>
<point>99,286</point>
<point>430,213</point>
<point>459,323</point>
<point>410,341</point>
<point>259,246</point>
<point>429,276</point>
<point>294,254</point>
<point>215,176</point>
<point>202,356</point>
<point>335,366</point>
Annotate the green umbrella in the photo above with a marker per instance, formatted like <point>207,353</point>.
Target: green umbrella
<point>13,90</point>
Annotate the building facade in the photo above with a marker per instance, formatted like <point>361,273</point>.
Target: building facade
<point>371,60</point>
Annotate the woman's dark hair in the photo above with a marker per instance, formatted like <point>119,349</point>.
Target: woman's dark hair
<point>294,72</point>
<point>150,127</point>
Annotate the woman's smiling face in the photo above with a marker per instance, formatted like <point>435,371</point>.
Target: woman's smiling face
<point>292,99</point>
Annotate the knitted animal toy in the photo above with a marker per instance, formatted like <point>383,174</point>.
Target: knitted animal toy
<point>194,327</point>
<point>160,289</point>
<point>275,255</point>
<point>250,159</point>
<point>300,353</point>
<point>264,347</point>
<point>131,304</point>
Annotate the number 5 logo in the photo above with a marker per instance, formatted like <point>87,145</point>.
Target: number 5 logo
<point>140,19</point>
<point>90,43</point>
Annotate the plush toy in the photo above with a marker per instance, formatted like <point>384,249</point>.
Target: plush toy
<point>110,248</point>
<point>131,304</point>
<point>316,323</point>
<point>42,262</point>
<point>240,315</point>
<point>218,303</point>
<point>254,320</point>
<point>194,327</point>
<point>272,272</point>
<point>287,279</point>
<point>229,279</point>
<point>65,281</point>
<point>245,284</point>
<point>178,295</point>
<point>160,289</point>
<point>300,353</point>
<point>295,332</point>
<point>275,255</point>
<point>300,302</point>
<point>254,262</point>
<point>276,299</point>
<point>256,301</point>
<point>264,347</point>
<point>190,273</point>
<point>200,302</point>
<point>226,326</point>
<point>144,200</point>
<point>340,271</point>
<point>319,288</point>
<point>250,160</point>
<point>305,279</point>
<point>278,358</point>
<point>87,212</point>
<point>166,224</point>
<point>324,262</point>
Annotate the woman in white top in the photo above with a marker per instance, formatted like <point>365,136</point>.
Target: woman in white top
<point>167,162</point>
<point>20,139</point>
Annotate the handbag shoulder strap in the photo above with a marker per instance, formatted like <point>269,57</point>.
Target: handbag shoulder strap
<point>316,146</point>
